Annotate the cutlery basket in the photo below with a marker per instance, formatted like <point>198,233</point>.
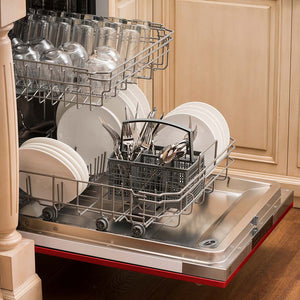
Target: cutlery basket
<point>148,174</point>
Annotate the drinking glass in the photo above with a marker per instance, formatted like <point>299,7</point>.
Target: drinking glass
<point>26,72</point>
<point>107,36</point>
<point>102,65</point>
<point>55,75</point>
<point>63,34</point>
<point>84,35</point>
<point>41,45</point>
<point>76,52</point>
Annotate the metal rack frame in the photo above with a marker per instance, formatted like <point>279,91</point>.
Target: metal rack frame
<point>139,208</point>
<point>76,84</point>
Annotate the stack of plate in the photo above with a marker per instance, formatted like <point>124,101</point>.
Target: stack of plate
<point>211,126</point>
<point>81,128</point>
<point>54,158</point>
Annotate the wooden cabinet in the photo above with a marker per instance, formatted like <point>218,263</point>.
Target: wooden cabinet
<point>235,55</point>
<point>294,132</point>
<point>238,55</point>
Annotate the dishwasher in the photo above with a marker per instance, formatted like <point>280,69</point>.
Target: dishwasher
<point>186,220</point>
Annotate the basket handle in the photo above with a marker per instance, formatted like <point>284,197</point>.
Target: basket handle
<point>158,121</point>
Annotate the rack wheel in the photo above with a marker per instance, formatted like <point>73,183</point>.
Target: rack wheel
<point>49,214</point>
<point>138,230</point>
<point>102,224</point>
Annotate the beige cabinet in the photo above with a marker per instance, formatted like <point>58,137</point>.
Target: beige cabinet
<point>236,55</point>
<point>294,132</point>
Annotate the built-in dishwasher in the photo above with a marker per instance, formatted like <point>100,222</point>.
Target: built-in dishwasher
<point>202,229</point>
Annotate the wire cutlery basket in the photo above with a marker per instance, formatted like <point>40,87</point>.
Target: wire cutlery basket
<point>148,172</point>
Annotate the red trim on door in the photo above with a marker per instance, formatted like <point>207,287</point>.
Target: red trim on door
<point>152,271</point>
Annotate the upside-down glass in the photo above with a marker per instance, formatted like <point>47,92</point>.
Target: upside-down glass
<point>102,65</point>
<point>41,45</point>
<point>77,53</point>
<point>26,72</point>
<point>54,75</point>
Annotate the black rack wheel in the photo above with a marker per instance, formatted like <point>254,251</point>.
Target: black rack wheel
<point>102,223</point>
<point>49,214</point>
<point>138,230</point>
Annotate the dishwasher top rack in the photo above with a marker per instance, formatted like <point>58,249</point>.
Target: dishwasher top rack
<point>78,85</point>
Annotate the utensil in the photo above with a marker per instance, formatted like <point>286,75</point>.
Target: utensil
<point>115,136</point>
<point>206,134</point>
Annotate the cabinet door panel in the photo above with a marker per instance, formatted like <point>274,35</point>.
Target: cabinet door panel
<point>294,129</point>
<point>235,55</point>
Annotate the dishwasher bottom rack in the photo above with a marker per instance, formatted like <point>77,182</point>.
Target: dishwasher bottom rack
<point>208,247</point>
<point>114,196</point>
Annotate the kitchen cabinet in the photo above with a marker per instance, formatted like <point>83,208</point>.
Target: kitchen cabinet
<point>239,57</point>
<point>294,125</point>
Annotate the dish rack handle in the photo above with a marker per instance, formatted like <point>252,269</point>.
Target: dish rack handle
<point>162,122</point>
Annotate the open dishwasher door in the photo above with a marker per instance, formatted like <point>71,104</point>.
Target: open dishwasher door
<point>208,246</point>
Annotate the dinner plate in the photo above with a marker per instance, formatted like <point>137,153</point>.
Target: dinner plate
<point>205,135</point>
<point>66,148</point>
<point>81,129</point>
<point>142,99</point>
<point>210,120</point>
<point>63,105</point>
<point>135,101</point>
<point>38,160</point>
<point>53,151</point>
<point>115,104</point>
<point>67,158</point>
<point>219,118</point>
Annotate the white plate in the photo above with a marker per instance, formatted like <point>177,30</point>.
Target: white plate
<point>210,120</point>
<point>68,159</point>
<point>38,160</point>
<point>135,101</point>
<point>66,148</point>
<point>60,155</point>
<point>142,99</point>
<point>205,136</point>
<point>115,104</point>
<point>64,106</point>
<point>81,129</point>
<point>214,113</point>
